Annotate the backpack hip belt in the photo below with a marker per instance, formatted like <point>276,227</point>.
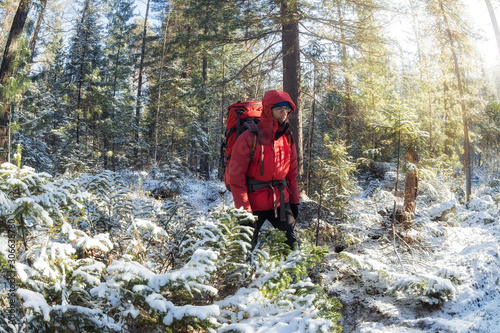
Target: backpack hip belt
<point>254,185</point>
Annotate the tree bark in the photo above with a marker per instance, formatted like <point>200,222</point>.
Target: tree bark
<point>467,164</point>
<point>291,71</point>
<point>6,71</point>
<point>222,127</point>
<point>204,158</point>
<point>139,85</point>
<point>79,98</point>
<point>494,22</point>
<point>311,137</point>
<point>160,74</point>
<point>38,24</point>
<point>347,83</point>
<point>9,8</point>
<point>410,195</point>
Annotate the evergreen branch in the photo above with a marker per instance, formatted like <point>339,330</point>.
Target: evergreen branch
<point>250,62</point>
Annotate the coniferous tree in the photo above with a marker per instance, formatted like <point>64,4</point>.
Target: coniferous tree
<point>198,50</point>
<point>454,39</point>
<point>7,69</point>
<point>291,70</point>
<point>82,72</point>
<point>36,29</point>
<point>116,120</point>
<point>140,82</point>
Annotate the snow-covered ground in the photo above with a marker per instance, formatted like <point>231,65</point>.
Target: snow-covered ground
<point>440,276</point>
<point>443,276</point>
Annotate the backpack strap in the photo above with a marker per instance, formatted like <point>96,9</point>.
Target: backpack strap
<point>253,147</point>
<point>290,137</point>
<point>254,185</point>
<point>254,130</point>
<point>239,112</point>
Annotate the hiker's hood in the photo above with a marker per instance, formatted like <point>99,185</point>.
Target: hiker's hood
<point>268,124</point>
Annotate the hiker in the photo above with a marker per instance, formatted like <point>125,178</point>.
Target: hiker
<point>263,173</point>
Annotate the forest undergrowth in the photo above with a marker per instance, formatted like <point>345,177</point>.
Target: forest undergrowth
<point>437,276</point>
<point>98,253</point>
<point>162,251</point>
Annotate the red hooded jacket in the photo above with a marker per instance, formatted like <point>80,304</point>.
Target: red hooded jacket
<point>278,155</point>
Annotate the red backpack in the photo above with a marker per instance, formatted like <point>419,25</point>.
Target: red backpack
<point>240,117</point>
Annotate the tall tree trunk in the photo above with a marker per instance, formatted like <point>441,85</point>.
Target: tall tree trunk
<point>446,108</point>
<point>410,195</point>
<point>425,75</point>
<point>9,8</point>
<point>204,159</point>
<point>139,85</point>
<point>160,72</point>
<point>467,164</point>
<point>6,71</point>
<point>38,24</point>
<point>347,83</point>
<point>494,22</point>
<point>496,29</point>
<point>221,115</point>
<point>79,98</point>
<point>311,136</point>
<point>291,71</point>
<point>429,107</point>
<point>109,143</point>
<point>79,105</point>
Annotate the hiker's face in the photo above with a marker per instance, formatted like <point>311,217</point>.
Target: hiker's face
<point>280,113</point>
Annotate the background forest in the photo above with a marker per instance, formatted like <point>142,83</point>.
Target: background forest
<point>117,84</point>
<point>112,115</point>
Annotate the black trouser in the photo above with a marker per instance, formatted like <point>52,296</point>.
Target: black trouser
<point>288,226</point>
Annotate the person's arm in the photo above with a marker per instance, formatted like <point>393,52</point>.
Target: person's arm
<point>240,160</point>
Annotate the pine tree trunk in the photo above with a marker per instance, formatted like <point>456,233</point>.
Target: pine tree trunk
<point>410,196</point>
<point>291,71</point>
<point>204,159</point>
<point>38,24</point>
<point>5,23</point>
<point>429,106</point>
<point>467,164</point>
<point>79,98</point>
<point>79,104</point>
<point>425,73</point>
<point>6,72</point>
<point>496,29</point>
<point>446,108</point>
<point>221,116</point>
<point>109,143</point>
<point>494,22</point>
<point>347,83</point>
<point>160,74</point>
<point>311,137</point>
<point>139,86</point>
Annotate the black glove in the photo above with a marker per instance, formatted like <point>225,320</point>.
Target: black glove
<point>295,209</point>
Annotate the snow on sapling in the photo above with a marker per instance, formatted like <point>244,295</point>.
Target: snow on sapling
<point>109,202</point>
<point>294,268</point>
<point>428,289</point>
<point>282,294</point>
<point>34,200</point>
<point>235,245</point>
<point>73,278</point>
<point>333,183</point>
